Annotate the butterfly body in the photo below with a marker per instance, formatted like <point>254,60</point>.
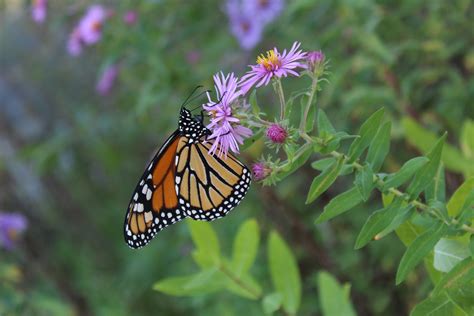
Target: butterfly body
<point>184,180</point>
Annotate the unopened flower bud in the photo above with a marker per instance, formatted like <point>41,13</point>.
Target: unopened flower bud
<point>260,171</point>
<point>277,134</point>
<point>315,60</point>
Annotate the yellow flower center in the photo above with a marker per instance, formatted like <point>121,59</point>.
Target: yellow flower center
<point>269,61</point>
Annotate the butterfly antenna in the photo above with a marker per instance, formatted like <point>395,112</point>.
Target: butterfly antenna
<point>190,95</point>
<point>196,97</point>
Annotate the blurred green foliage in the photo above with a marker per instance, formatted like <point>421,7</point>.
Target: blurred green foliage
<point>69,158</point>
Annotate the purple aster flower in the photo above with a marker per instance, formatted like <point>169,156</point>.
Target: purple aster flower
<point>276,133</point>
<point>263,10</point>
<point>90,26</point>
<point>260,171</point>
<point>11,224</point>
<point>245,27</point>
<point>39,10</point>
<point>226,129</point>
<point>107,79</point>
<point>130,17</point>
<point>273,65</point>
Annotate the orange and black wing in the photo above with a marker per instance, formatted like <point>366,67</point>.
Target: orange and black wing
<point>154,203</point>
<point>208,186</point>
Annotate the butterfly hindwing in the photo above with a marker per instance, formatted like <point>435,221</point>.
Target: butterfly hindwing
<point>209,186</point>
<point>153,205</point>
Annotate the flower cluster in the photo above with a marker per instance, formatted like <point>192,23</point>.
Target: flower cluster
<point>88,31</point>
<point>226,126</point>
<point>11,225</point>
<point>248,19</point>
<point>107,79</point>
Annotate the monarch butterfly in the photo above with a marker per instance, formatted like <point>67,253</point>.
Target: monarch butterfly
<point>184,180</point>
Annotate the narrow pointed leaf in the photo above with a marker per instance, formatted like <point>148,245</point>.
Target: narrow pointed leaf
<point>271,303</point>
<point>459,197</point>
<point>441,305</point>
<point>377,222</point>
<point>324,126</point>
<point>340,204</point>
<point>467,210</point>
<point>461,274</point>
<point>379,147</point>
<point>245,247</point>
<point>426,174</point>
<point>418,249</point>
<point>364,182</point>
<point>401,217</point>
<point>437,189</point>
<point>367,133</point>
<point>405,172</point>
<point>324,180</point>
<point>206,281</point>
<point>284,273</point>
<point>323,164</point>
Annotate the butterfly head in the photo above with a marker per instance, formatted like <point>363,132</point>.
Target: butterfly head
<point>191,126</point>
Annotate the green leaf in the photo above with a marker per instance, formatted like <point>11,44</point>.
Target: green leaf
<point>405,172</point>
<point>340,204</point>
<point>324,180</point>
<point>271,303</point>
<point>402,216</point>
<point>284,273</point>
<point>418,249</point>
<point>425,175</point>
<point>207,251</point>
<point>324,126</point>
<point>377,221</point>
<point>367,133</point>
<point>437,188</point>
<point>334,299</point>
<point>467,210</point>
<point>422,139</point>
<point>245,247</point>
<point>461,274</point>
<point>206,281</point>
<point>364,182</point>
<point>379,147</point>
<point>448,253</point>
<point>459,197</point>
<point>323,164</point>
<point>441,305</point>
<point>408,232</point>
<point>471,246</point>
<point>247,287</point>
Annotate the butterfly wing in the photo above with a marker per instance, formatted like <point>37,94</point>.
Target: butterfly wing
<point>154,203</point>
<point>209,186</point>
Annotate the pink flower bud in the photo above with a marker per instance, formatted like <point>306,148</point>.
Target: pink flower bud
<point>315,59</point>
<point>130,17</point>
<point>260,171</point>
<point>277,134</point>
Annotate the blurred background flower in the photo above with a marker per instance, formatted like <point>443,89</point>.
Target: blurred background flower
<point>39,10</point>
<point>11,226</point>
<point>107,79</point>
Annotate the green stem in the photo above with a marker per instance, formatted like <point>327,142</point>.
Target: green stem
<point>312,95</point>
<point>281,96</point>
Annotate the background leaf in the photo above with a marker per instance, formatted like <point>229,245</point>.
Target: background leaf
<point>245,246</point>
<point>448,253</point>
<point>334,299</point>
<point>284,272</point>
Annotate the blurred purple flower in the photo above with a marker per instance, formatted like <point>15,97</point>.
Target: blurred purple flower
<point>90,26</point>
<point>107,79</point>
<point>243,25</point>
<point>74,43</point>
<point>276,133</point>
<point>11,224</point>
<point>193,56</point>
<point>273,65</point>
<point>130,17</point>
<point>39,10</point>
<point>227,132</point>
<point>263,10</point>
<point>260,171</point>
